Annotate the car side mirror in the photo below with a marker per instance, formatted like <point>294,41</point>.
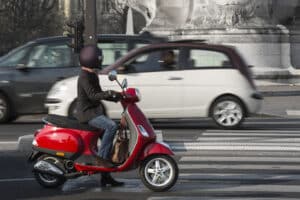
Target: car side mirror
<point>21,67</point>
<point>112,76</point>
<point>124,83</point>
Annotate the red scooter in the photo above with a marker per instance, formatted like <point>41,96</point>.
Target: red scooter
<point>65,149</point>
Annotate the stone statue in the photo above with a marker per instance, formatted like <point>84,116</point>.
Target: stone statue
<point>252,26</point>
<point>232,13</point>
<point>206,14</point>
<point>147,9</point>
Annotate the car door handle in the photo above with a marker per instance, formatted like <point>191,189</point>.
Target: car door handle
<point>175,78</point>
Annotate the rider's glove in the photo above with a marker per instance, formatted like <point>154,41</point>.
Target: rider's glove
<point>114,96</point>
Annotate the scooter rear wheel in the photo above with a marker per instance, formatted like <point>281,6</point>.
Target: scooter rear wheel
<point>159,172</point>
<point>47,180</point>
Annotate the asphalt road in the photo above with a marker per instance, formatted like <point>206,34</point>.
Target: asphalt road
<point>259,161</point>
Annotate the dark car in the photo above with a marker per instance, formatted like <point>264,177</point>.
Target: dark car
<point>28,72</point>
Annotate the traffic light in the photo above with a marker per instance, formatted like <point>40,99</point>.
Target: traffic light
<point>76,35</point>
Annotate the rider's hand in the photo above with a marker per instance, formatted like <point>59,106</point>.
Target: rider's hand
<point>114,96</point>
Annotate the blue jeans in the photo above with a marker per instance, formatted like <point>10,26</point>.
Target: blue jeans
<point>110,127</point>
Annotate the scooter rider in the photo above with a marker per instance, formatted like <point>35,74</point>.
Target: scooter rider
<point>89,109</point>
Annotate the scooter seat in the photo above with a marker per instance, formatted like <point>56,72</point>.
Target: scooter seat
<point>65,122</point>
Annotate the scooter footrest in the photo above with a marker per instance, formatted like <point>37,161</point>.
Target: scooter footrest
<point>86,160</point>
<point>88,164</point>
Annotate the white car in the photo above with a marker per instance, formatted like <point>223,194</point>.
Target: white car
<point>176,80</point>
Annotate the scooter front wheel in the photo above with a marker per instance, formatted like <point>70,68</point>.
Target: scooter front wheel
<point>159,172</point>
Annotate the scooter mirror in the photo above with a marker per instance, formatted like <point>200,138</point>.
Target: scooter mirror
<point>112,76</point>
<point>124,83</point>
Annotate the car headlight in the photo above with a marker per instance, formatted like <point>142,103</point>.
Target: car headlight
<point>58,88</point>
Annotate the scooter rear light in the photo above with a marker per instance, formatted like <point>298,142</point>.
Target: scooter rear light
<point>34,142</point>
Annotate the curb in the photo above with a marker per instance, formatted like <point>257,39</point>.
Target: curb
<point>280,93</point>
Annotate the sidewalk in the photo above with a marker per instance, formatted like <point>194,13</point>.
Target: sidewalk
<point>280,99</point>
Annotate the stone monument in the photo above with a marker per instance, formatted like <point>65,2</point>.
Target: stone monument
<point>254,27</point>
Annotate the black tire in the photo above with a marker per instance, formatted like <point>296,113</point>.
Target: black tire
<point>5,109</point>
<point>230,117</point>
<point>172,176</point>
<point>46,180</point>
<point>72,110</point>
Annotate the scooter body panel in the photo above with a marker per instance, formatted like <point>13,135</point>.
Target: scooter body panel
<point>80,144</point>
<point>154,149</point>
<point>137,123</point>
<point>63,142</point>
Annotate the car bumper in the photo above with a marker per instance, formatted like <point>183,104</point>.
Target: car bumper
<point>254,103</point>
<point>57,106</point>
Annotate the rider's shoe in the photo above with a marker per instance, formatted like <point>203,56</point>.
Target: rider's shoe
<point>107,179</point>
<point>104,163</point>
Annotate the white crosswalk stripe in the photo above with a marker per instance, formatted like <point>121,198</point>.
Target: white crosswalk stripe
<point>263,163</point>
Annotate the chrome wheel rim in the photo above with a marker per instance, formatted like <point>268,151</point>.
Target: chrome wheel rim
<point>159,172</point>
<point>228,113</point>
<point>3,108</point>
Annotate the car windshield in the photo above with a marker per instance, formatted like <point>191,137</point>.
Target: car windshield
<point>14,57</point>
<point>112,51</point>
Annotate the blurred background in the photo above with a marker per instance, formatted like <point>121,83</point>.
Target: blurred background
<point>265,33</point>
<point>269,24</point>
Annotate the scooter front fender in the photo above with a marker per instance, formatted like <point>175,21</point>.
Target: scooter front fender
<point>156,148</point>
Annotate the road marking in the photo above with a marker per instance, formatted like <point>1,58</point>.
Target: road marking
<point>252,131</point>
<point>252,134</point>
<point>187,147</point>
<point>238,176</point>
<point>8,145</point>
<point>293,112</point>
<point>229,143</point>
<point>240,159</point>
<point>256,139</point>
<point>8,142</point>
<point>16,180</point>
<point>256,188</point>
<point>214,166</point>
<point>272,123</point>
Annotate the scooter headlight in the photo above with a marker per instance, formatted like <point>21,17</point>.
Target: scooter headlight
<point>138,94</point>
<point>143,131</point>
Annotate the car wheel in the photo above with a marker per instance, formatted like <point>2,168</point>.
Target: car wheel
<point>4,109</point>
<point>228,112</point>
<point>72,110</point>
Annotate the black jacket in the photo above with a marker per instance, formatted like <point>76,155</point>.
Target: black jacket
<point>89,95</point>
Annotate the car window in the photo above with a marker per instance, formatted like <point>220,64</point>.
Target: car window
<point>161,60</point>
<point>59,55</point>
<point>199,58</point>
<point>15,58</point>
<point>112,52</point>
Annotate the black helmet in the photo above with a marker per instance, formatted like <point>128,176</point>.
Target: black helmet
<point>91,57</point>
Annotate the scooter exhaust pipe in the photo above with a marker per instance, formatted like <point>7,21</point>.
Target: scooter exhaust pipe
<point>48,168</point>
